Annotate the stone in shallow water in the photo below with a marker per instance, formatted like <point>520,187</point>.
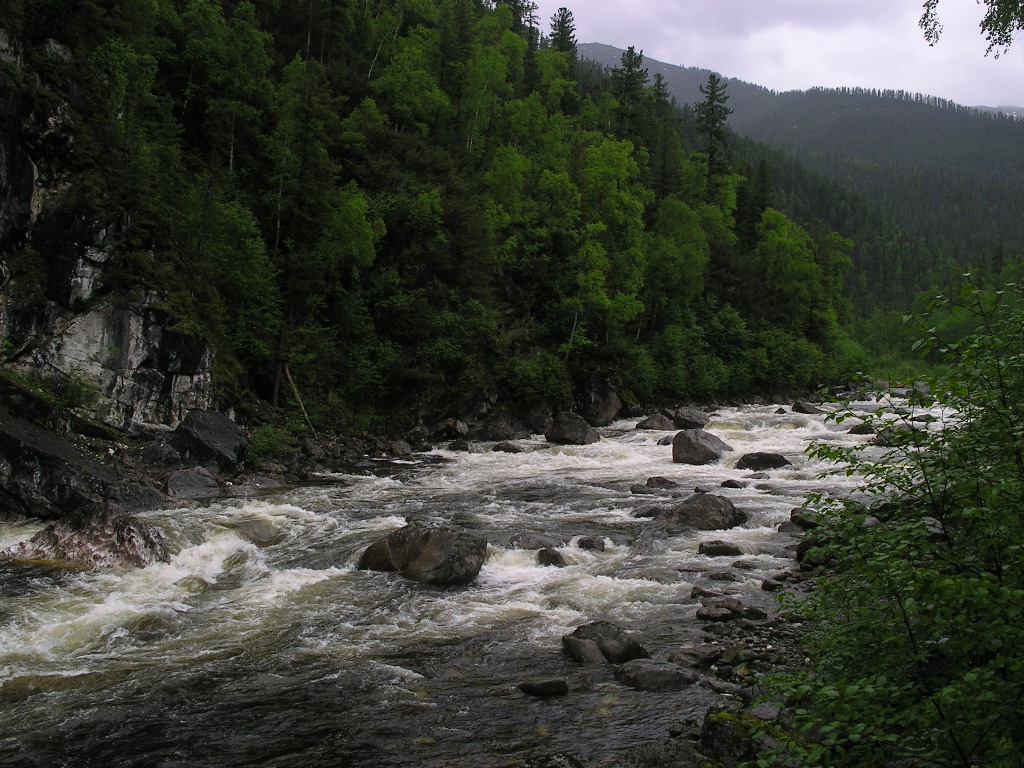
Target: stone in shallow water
<point>612,642</point>
<point>656,676</point>
<point>433,555</point>
<point>551,686</point>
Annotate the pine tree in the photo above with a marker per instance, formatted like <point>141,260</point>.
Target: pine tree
<point>712,122</point>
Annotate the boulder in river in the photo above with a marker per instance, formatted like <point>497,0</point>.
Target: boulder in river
<point>97,535</point>
<point>800,406</point>
<point>761,461</point>
<point>695,446</point>
<point>548,686</point>
<point>719,549</point>
<point>602,407</point>
<point>570,428</point>
<point>704,512</point>
<point>689,418</point>
<point>429,554</point>
<point>654,484</point>
<point>552,557</point>
<point>602,641</point>
<point>657,421</point>
<point>656,676</point>
<point>532,540</point>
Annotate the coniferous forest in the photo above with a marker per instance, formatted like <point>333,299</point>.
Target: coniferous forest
<point>405,203</point>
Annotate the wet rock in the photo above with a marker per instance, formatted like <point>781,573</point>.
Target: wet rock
<point>704,512</point>
<point>196,483</point>
<point>729,609</point>
<point>649,510</point>
<point>862,429</point>
<point>44,476</point>
<point>695,446</point>
<point>734,484</point>
<point>550,686</point>
<point>258,531</point>
<point>161,455</point>
<point>806,518</point>
<point>653,485</point>
<point>801,406</point>
<point>601,408</point>
<point>508,447</point>
<point>657,421</point>
<point>666,440</point>
<point>612,643</point>
<point>400,448</point>
<point>731,738</point>
<point>780,411</point>
<point>251,486</point>
<point>97,535</point>
<point>689,418</point>
<point>771,585</point>
<point>570,429</point>
<point>529,540</point>
<point>432,555</point>
<point>538,418</point>
<point>449,429</point>
<point>550,557</point>
<point>719,549</point>
<point>459,445</point>
<point>592,543</point>
<point>211,437</point>
<point>762,461</point>
<point>655,676</point>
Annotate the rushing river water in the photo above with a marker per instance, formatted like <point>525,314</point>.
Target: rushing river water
<point>259,644</point>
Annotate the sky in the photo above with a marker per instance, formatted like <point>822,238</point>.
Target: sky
<point>797,44</point>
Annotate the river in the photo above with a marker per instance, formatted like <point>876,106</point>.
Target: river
<point>260,645</point>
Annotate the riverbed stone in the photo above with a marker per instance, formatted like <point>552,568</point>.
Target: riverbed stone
<point>760,461</point>
<point>614,644</point>
<point>689,418</point>
<point>802,406</point>
<point>570,428</point>
<point>428,554</point>
<point>716,548</point>
<point>657,421</point>
<point>592,543</point>
<point>654,485</point>
<point>704,512</point>
<point>655,676</point>
<point>549,686</point>
<point>695,446</point>
<point>550,557</point>
<point>533,540</point>
<point>95,536</point>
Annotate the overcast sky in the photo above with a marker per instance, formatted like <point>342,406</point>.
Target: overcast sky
<point>798,44</point>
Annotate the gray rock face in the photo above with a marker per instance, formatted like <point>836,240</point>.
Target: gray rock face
<point>655,676</point>
<point>704,512</point>
<point>209,436</point>
<point>95,536</point>
<point>601,642</point>
<point>42,475</point>
<point>759,462</point>
<point>602,407</point>
<point>695,446</point>
<point>196,483</point>
<point>569,428</point>
<point>433,555</point>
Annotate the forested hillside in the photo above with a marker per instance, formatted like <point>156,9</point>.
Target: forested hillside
<point>921,185</point>
<point>405,203</point>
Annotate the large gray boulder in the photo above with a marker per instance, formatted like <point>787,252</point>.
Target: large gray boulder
<point>428,554</point>
<point>601,408</point>
<point>97,535</point>
<point>689,418</point>
<point>211,437</point>
<point>695,446</point>
<point>570,428</point>
<point>704,512</point>
<point>601,642</point>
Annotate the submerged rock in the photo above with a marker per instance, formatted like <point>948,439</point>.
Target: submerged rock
<point>432,555</point>
<point>602,641</point>
<point>550,557</point>
<point>551,686</point>
<point>98,535</point>
<point>695,446</point>
<point>656,676</point>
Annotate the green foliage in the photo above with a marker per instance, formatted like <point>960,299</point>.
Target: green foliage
<point>268,442</point>
<point>918,625</point>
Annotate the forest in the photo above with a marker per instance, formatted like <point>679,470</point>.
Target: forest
<point>405,204</point>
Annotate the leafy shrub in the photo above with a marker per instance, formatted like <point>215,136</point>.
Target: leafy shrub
<point>917,644</point>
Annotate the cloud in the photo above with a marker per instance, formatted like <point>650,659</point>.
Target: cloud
<point>797,44</point>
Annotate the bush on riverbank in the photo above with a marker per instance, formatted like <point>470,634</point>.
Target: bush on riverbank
<point>917,643</point>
